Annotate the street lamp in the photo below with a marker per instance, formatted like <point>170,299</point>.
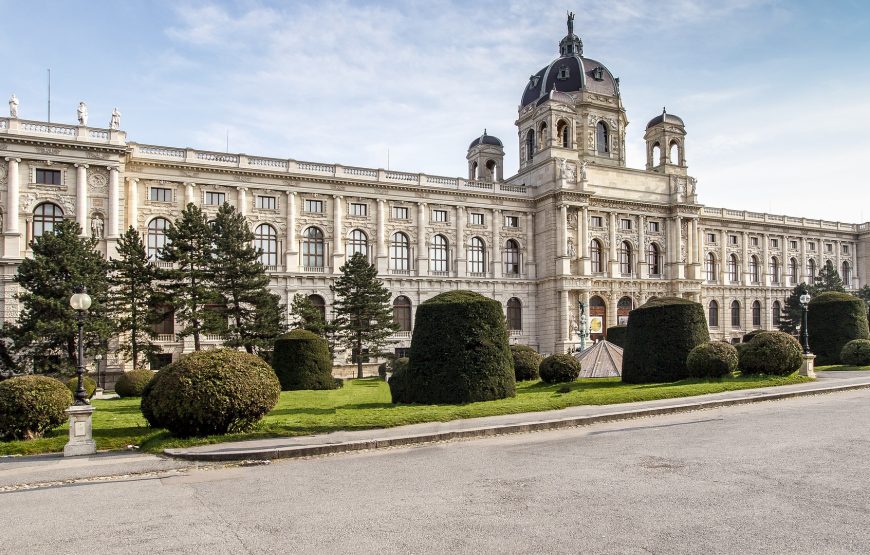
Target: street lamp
<point>805,335</point>
<point>80,302</point>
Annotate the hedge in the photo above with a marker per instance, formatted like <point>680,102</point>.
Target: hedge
<point>560,368</point>
<point>132,383</point>
<point>301,360</point>
<point>211,392</point>
<point>459,351</point>
<point>856,353</point>
<point>834,319</point>
<point>527,362</point>
<point>771,352</point>
<point>660,335</point>
<point>715,359</point>
<point>32,405</point>
<point>751,335</point>
<point>89,384</point>
<point>616,335</point>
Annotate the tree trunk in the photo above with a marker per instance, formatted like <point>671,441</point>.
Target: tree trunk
<point>359,368</point>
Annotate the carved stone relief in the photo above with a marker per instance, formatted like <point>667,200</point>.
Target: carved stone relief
<point>98,181</point>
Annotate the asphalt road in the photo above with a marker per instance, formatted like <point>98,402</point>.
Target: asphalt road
<point>776,477</point>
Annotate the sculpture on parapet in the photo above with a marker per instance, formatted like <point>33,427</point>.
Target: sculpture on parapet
<point>13,106</point>
<point>83,113</point>
<point>116,120</point>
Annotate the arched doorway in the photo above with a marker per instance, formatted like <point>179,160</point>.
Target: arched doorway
<point>597,318</point>
<point>623,307</point>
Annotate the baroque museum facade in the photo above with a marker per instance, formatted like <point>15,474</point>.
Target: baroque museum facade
<point>573,225</point>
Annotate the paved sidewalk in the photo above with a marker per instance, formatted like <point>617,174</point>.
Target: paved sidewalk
<point>344,441</point>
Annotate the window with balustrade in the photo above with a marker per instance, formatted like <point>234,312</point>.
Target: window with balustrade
<point>713,314</point>
<point>756,314</point>
<point>793,277</point>
<point>402,313</point>
<point>654,259</point>
<point>596,254</point>
<point>45,217</point>
<point>754,269</point>
<point>776,314</point>
<point>313,248</point>
<point>514,314</point>
<point>156,237</point>
<point>477,256</point>
<point>774,270</point>
<point>710,267</point>
<point>735,314</point>
<point>624,257</point>
<point>511,258</point>
<point>439,254</point>
<point>266,242</point>
<point>400,252</point>
<point>733,269</point>
<point>357,243</point>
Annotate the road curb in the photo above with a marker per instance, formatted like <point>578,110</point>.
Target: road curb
<point>298,451</point>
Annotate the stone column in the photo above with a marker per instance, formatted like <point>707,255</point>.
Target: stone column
<point>642,271</point>
<point>744,262</point>
<point>461,268</point>
<point>188,193</point>
<point>82,199</point>
<point>243,200</point>
<point>380,240</point>
<point>765,262</point>
<point>337,233</point>
<point>422,259</point>
<point>496,243</point>
<point>291,249</point>
<point>837,264</point>
<point>113,216</point>
<point>563,230</point>
<point>803,276</point>
<point>613,262</point>
<point>723,258</point>
<point>133,202</point>
<point>12,239</point>
<point>583,240</point>
<point>530,246</point>
<point>564,318</point>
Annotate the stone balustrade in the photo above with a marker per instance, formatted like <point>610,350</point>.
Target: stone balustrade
<point>62,131</point>
<point>745,215</point>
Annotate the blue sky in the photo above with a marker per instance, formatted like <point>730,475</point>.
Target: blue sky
<point>773,93</point>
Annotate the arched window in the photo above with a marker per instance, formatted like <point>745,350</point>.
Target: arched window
<point>530,145</point>
<point>472,174</point>
<point>653,259</point>
<point>735,314</point>
<point>776,314</point>
<point>562,131</point>
<point>793,277</point>
<point>45,217</point>
<point>266,241</point>
<point>774,269</point>
<point>624,256</point>
<point>402,312</point>
<point>319,304</point>
<point>811,270</point>
<point>438,254</point>
<point>602,138</point>
<point>156,238</point>
<point>400,252</point>
<point>596,252</point>
<point>733,269</point>
<point>477,256</point>
<point>847,274</point>
<point>490,170</point>
<point>756,314</point>
<point>511,258</point>
<point>754,270</point>
<point>674,153</point>
<point>713,314</point>
<point>514,314</point>
<point>358,242</point>
<point>313,248</point>
<point>542,135</point>
<point>656,156</point>
<point>710,266</point>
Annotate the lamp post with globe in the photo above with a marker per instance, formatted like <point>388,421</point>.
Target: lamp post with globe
<point>808,365</point>
<point>81,440</point>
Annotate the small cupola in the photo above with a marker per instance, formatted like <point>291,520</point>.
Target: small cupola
<point>485,158</point>
<point>666,144</point>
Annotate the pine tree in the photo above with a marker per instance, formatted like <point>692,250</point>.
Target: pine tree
<point>364,318</point>
<point>792,313</point>
<point>254,314</point>
<point>62,262</point>
<point>827,280</point>
<point>189,285</point>
<point>132,298</point>
<point>306,316</point>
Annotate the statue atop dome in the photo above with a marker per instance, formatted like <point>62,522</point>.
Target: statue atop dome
<point>570,23</point>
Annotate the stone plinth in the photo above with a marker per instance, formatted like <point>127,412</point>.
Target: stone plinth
<point>808,366</point>
<point>81,441</point>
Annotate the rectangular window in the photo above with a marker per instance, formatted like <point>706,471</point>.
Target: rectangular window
<point>624,223</point>
<point>811,246</point>
<point>793,245</point>
<point>48,177</point>
<point>732,239</point>
<point>215,199</point>
<point>774,243</point>
<point>266,203</point>
<point>160,194</point>
<point>711,237</point>
<point>829,247</point>
<point>359,209</point>
<point>476,219</point>
<point>845,249</point>
<point>512,221</point>
<point>654,227</point>
<point>315,206</point>
<point>439,215</point>
<point>400,212</point>
<point>753,241</point>
<point>597,221</point>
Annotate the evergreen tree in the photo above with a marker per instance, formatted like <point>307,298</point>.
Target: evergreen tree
<point>792,313</point>
<point>306,316</point>
<point>132,298</point>
<point>62,262</point>
<point>864,293</point>
<point>254,314</point>
<point>189,285</point>
<point>364,318</point>
<point>827,280</point>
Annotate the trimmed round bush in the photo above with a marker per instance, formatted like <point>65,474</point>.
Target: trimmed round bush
<point>856,353</point>
<point>301,360</point>
<point>88,383</point>
<point>747,337</point>
<point>211,392</point>
<point>559,368</point>
<point>834,319</point>
<point>31,405</point>
<point>660,335</point>
<point>771,352</point>
<point>459,351</point>
<point>616,335</point>
<point>391,366</point>
<point>527,361</point>
<point>715,359</point>
<point>398,383</point>
<point>740,348</point>
<point>132,383</point>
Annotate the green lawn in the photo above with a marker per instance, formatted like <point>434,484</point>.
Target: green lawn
<point>363,404</point>
<point>841,368</point>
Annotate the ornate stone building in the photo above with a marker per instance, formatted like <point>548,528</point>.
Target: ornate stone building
<point>575,224</point>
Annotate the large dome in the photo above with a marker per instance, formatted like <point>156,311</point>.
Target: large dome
<point>570,72</point>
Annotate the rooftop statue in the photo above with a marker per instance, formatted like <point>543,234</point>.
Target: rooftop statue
<point>13,106</point>
<point>83,113</point>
